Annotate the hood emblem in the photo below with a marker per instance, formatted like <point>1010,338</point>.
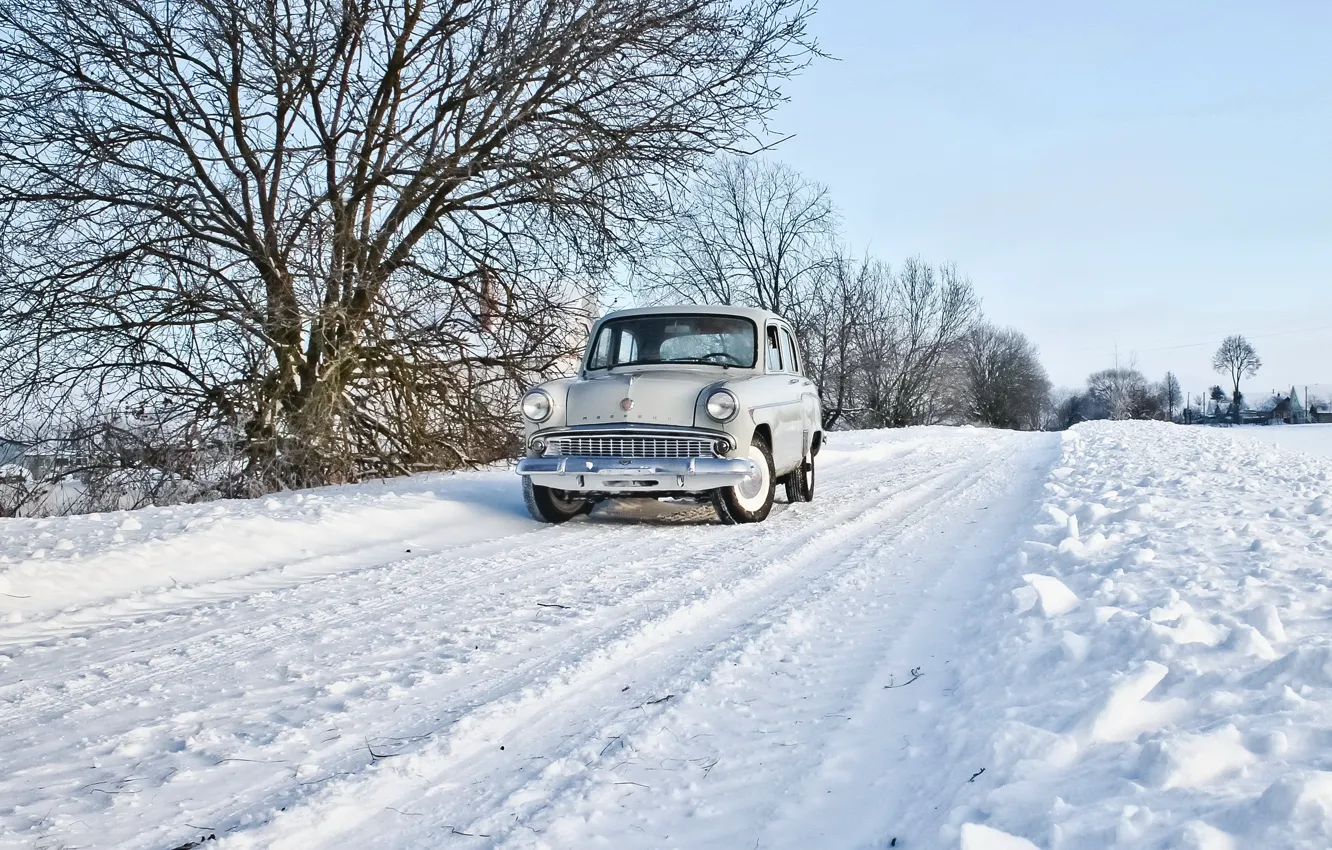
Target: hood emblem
<point>626,404</point>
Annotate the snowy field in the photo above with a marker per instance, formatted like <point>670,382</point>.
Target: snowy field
<point>1309,439</point>
<point>1114,637</point>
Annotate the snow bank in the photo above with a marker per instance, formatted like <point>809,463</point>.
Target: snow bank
<point>1161,673</point>
<point>60,571</point>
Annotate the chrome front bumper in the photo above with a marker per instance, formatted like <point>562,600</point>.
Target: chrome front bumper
<point>631,474</point>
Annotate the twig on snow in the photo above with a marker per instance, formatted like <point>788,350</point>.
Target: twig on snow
<point>456,831</point>
<point>915,674</point>
<point>374,756</point>
<point>552,605</point>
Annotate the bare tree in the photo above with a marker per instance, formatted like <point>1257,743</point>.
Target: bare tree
<point>879,343</point>
<point>1238,359</point>
<point>1172,396</point>
<point>751,232</point>
<point>846,302</point>
<point>344,231</point>
<point>885,344</point>
<point>1003,382</point>
<point>927,313</point>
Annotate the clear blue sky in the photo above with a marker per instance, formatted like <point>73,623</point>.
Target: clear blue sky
<point>1132,176</point>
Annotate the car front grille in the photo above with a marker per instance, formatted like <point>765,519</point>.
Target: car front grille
<point>622,446</point>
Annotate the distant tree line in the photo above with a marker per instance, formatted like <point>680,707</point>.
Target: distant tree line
<point>888,347</point>
<point>1125,393</point>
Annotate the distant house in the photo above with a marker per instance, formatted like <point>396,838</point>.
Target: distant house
<point>1281,411</point>
<point>11,451</point>
<point>1287,410</point>
<point>1299,411</point>
<point>39,461</point>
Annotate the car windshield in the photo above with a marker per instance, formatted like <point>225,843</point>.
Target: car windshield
<point>726,341</point>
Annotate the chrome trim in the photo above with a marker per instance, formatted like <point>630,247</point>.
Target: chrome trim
<point>774,404</point>
<point>633,430</point>
<point>630,445</point>
<point>635,474</point>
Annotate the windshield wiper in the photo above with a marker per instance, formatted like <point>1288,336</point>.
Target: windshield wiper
<point>632,363</point>
<point>669,362</point>
<point>702,361</point>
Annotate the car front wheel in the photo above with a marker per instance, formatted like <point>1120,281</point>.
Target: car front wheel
<point>546,504</point>
<point>751,499</point>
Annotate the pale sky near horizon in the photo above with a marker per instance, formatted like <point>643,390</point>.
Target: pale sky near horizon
<point>1134,178</point>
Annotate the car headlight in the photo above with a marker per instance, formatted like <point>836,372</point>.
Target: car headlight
<point>537,406</point>
<point>722,405</point>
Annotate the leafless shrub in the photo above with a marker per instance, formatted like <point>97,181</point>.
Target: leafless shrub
<point>102,460</point>
<point>1003,382</point>
<point>1120,392</point>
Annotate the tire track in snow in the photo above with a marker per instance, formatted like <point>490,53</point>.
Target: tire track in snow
<point>687,644</point>
<point>86,622</point>
<point>475,566</point>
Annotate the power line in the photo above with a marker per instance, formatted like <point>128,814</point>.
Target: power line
<point>1179,346</point>
<point>1254,336</point>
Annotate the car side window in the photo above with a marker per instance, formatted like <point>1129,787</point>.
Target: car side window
<point>774,353</point>
<point>788,353</point>
<point>601,350</point>
<point>607,341</point>
<point>628,348</point>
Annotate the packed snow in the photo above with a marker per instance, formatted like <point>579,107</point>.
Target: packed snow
<point>1113,637</point>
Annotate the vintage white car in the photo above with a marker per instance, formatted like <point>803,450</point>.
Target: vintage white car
<point>703,403</point>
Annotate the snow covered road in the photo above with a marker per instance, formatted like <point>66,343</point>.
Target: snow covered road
<point>643,676</point>
<point>1114,637</point>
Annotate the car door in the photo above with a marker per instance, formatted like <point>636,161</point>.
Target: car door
<point>773,399</point>
<point>804,409</point>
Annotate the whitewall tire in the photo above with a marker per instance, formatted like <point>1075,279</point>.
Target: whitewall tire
<point>751,499</point>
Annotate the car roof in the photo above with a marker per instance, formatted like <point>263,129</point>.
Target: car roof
<point>757,315</point>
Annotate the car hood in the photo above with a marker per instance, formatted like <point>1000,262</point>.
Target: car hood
<point>659,396</point>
